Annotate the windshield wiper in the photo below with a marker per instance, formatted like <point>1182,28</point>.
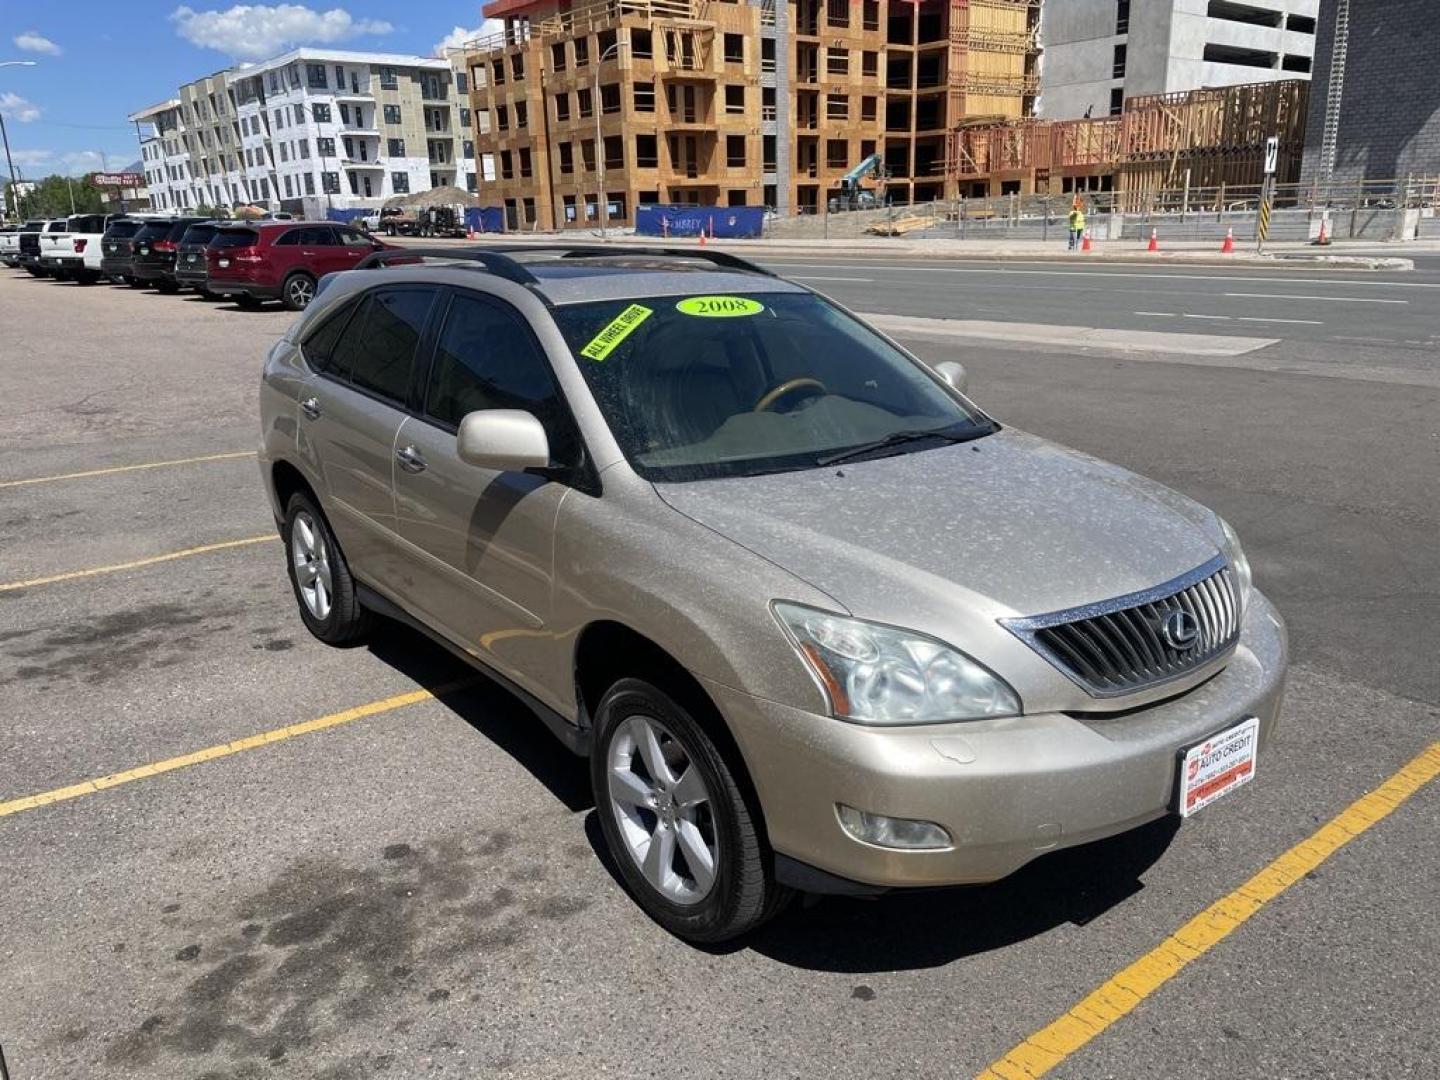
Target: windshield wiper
<point>900,438</point>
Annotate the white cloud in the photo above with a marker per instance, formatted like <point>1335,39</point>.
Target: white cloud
<point>16,107</point>
<point>258,31</point>
<point>30,158</point>
<point>32,41</point>
<point>459,36</point>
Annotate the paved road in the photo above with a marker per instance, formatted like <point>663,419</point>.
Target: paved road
<point>1395,312</point>
<point>417,889</point>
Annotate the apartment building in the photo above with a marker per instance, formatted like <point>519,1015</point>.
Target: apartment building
<point>1097,53</point>
<point>760,103</point>
<point>310,130</point>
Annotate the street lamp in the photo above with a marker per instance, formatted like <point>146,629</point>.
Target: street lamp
<point>599,135</point>
<point>6,138</point>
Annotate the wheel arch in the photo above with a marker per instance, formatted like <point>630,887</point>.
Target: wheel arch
<point>286,480</point>
<point>607,651</point>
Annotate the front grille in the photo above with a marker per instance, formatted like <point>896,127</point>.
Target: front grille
<point>1138,641</point>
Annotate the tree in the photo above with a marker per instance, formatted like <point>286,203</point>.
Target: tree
<point>51,198</point>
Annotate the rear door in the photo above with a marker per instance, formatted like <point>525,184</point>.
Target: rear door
<point>480,542</point>
<point>350,412</point>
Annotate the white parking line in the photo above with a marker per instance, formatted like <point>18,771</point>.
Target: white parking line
<point>1161,314</point>
<point>1307,322</point>
<point>1220,318</point>
<point>816,277</point>
<point>1329,299</point>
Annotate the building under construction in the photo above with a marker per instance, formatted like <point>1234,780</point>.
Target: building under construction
<point>721,103</point>
<point>1212,138</point>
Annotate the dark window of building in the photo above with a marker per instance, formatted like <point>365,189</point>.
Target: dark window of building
<point>315,76</point>
<point>1300,24</point>
<point>562,106</point>
<point>392,114</point>
<point>614,147</point>
<point>869,64</point>
<point>838,13</point>
<point>557,56</point>
<point>737,197</point>
<point>837,154</point>
<point>320,113</point>
<point>1234,54</point>
<point>644,97</point>
<point>767,149</point>
<point>502,117</point>
<point>517,66</point>
<point>1117,100</point>
<point>1118,69</point>
<point>868,108</point>
<point>587,154</point>
<point>582,52</point>
<point>610,98</point>
<point>1296,63</point>
<point>388,81</point>
<point>734,98</point>
<point>507,166</point>
<point>735,151</point>
<point>1231,11</point>
<point>396,147</point>
<point>582,99</point>
<point>329,183</point>
<point>522,114</point>
<point>525,162</point>
<point>640,44</point>
<point>1122,16</point>
<point>325,147</point>
<point>400,183</point>
<point>734,48</point>
<point>646,152</point>
<point>567,158</point>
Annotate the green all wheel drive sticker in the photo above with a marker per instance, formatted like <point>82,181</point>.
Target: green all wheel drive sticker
<point>621,327</point>
<point>719,307</point>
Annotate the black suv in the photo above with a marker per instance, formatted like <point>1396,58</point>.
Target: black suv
<point>155,246</point>
<point>190,270</point>
<point>117,252</point>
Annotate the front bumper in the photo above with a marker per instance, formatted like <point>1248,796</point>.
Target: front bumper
<point>1007,790</point>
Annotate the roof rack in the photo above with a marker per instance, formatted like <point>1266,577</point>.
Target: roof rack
<point>497,262</point>
<point>500,261</point>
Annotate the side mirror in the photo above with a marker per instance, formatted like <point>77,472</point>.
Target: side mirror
<point>953,374</point>
<point>507,440</point>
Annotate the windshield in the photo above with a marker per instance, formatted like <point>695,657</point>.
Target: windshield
<point>198,234</point>
<point>234,238</point>
<point>709,386</point>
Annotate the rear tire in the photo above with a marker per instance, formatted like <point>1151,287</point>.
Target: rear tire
<point>660,780</point>
<point>320,577</point>
<point>298,291</point>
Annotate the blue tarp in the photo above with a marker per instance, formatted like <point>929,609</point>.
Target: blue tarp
<point>727,222</point>
<point>346,216</point>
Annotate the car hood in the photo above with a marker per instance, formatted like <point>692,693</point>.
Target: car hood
<point>1025,524</point>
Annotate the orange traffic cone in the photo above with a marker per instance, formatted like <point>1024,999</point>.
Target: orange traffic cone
<point>1323,239</point>
<point>1085,242</point>
<point>1228,247</point>
<point>1154,244</point>
<point>702,236</point>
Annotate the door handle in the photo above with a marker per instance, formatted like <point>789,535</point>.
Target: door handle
<point>411,460</point>
<point>311,408</point>
<point>309,253</point>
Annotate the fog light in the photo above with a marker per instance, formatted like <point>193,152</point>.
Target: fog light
<point>891,832</point>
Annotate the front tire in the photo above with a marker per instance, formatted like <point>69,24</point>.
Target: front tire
<point>674,818</point>
<point>298,291</point>
<point>320,577</point>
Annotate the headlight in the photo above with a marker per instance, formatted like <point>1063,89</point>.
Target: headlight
<point>878,674</point>
<point>1241,565</point>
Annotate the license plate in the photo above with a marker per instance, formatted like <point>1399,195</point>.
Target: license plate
<point>224,263</point>
<point>144,251</point>
<point>190,258</point>
<point>1218,766</point>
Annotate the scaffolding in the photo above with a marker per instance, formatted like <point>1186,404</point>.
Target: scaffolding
<point>1207,137</point>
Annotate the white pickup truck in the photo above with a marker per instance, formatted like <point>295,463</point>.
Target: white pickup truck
<point>74,254</point>
<point>10,243</point>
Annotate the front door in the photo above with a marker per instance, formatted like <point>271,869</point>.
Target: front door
<point>481,541</point>
<point>349,416</point>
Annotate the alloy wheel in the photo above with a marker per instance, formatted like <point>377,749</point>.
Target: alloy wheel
<point>662,807</point>
<point>311,556</point>
<point>301,291</point>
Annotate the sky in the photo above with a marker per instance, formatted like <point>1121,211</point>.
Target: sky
<point>100,60</point>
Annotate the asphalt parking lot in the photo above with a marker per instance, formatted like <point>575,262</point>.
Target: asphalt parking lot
<point>227,850</point>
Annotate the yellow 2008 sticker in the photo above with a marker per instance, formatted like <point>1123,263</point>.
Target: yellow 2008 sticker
<point>719,307</point>
<point>621,327</point>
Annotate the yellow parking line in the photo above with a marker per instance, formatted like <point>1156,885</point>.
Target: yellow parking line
<point>1052,1044</point>
<point>124,469</point>
<point>71,575</point>
<point>251,742</point>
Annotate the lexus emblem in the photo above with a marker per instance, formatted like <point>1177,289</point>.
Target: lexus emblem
<point>1180,630</point>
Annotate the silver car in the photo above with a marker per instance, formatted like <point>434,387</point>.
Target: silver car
<point>819,623</point>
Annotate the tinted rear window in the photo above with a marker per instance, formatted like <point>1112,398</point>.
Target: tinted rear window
<point>119,230</point>
<point>234,238</point>
<point>154,231</point>
<point>198,234</point>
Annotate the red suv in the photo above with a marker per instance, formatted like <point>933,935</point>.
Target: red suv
<point>282,260</point>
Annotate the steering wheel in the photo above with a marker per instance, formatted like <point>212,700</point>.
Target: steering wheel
<point>775,393</point>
